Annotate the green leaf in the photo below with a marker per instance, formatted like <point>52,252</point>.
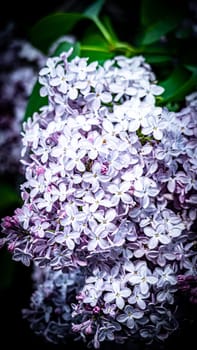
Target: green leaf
<point>157,58</point>
<point>95,53</point>
<point>191,68</point>
<point>66,46</point>
<point>108,25</point>
<point>93,10</point>
<point>178,85</point>
<point>50,28</point>
<point>173,106</point>
<point>92,36</point>
<point>159,18</point>
<point>158,29</point>
<point>35,101</point>
<point>95,47</point>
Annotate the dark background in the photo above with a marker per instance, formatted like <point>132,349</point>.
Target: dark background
<point>15,279</point>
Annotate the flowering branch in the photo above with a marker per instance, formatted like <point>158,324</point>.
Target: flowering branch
<point>109,197</point>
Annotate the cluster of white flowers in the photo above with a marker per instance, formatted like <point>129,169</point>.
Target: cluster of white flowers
<point>110,195</point>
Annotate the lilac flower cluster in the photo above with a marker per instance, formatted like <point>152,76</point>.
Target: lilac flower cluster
<point>20,63</point>
<point>109,195</point>
<point>51,303</point>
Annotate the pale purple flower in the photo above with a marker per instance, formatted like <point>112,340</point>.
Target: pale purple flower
<point>67,237</point>
<point>145,189</point>
<point>154,125</point>
<point>120,192</point>
<point>143,278</point>
<point>39,228</point>
<point>73,217</point>
<point>92,294</point>
<point>97,200</point>
<point>75,160</point>
<point>59,80</point>
<point>99,96</point>
<point>130,316</point>
<point>97,238</point>
<point>138,298</point>
<point>156,235</point>
<point>24,215</point>
<point>47,201</point>
<point>118,293</point>
<point>105,221</point>
<point>37,185</point>
<point>165,276</point>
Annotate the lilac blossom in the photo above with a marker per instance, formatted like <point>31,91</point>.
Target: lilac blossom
<point>59,287</point>
<point>117,293</point>
<point>108,203</point>
<point>129,316</point>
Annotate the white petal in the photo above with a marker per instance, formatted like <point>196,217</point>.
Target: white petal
<point>122,318</point>
<point>70,244</point>
<point>92,245</point>
<point>108,297</point>
<point>157,134</point>
<point>153,242</point>
<point>120,302</point>
<point>125,292</point>
<point>144,287</point>
<point>164,239</point>
<point>130,323</point>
